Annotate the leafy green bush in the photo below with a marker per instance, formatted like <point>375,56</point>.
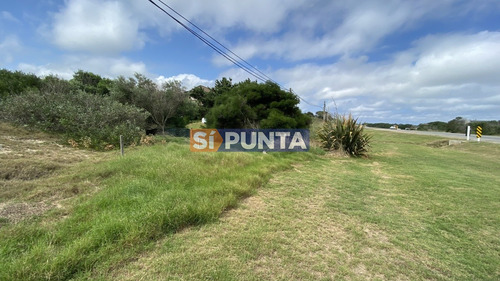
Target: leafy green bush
<point>14,83</point>
<point>345,134</point>
<point>252,105</point>
<point>83,119</point>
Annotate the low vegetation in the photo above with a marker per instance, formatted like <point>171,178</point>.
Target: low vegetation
<point>91,111</point>
<point>410,211</point>
<point>343,133</point>
<point>82,119</point>
<point>152,192</point>
<point>413,208</point>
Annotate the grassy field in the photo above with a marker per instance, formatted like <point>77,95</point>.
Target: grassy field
<point>413,210</point>
<point>152,192</point>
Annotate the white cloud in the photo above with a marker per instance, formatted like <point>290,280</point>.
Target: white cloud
<point>8,47</point>
<point>96,26</point>
<point>61,71</point>
<point>325,30</point>
<point>447,76</point>
<point>458,58</point>
<point>261,16</point>
<point>113,26</point>
<point>188,81</point>
<point>322,49</point>
<point>108,67</point>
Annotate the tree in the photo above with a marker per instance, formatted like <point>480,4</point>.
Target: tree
<point>232,112</point>
<point>319,115</point>
<point>457,125</point>
<point>222,86</point>
<point>104,87</point>
<point>433,126</point>
<point>489,127</point>
<point>123,89</point>
<point>204,97</point>
<point>86,81</point>
<point>54,84</point>
<point>15,83</point>
<point>163,103</point>
<point>186,112</point>
<point>252,105</point>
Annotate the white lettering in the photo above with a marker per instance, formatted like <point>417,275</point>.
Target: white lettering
<point>231,138</point>
<point>283,136</point>
<point>253,140</point>
<point>211,140</point>
<point>297,140</point>
<point>263,139</point>
<point>199,139</point>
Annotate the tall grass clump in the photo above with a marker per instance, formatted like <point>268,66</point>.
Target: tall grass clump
<point>345,134</point>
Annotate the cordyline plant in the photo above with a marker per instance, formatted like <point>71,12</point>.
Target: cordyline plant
<point>344,133</point>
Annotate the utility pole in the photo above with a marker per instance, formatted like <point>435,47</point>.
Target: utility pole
<point>324,111</point>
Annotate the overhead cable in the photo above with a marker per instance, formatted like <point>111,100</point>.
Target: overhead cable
<point>238,61</point>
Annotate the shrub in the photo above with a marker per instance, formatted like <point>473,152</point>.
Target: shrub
<point>345,134</point>
<point>14,83</point>
<point>252,105</point>
<point>84,119</point>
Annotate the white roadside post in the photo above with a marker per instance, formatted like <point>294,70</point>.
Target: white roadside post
<point>468,133</point>
<point>121,145</point>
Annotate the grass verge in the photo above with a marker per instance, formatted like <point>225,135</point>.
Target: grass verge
<point>411,211</point>
<point>152,192</point>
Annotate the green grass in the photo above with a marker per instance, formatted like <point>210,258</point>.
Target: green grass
<point>152,192</point>
<point>411,211</point>
<point>195,125</point>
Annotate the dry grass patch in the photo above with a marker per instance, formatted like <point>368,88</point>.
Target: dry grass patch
<point>32,167</point>
<point>15,212</point>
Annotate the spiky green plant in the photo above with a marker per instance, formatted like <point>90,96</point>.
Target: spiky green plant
<point>345,134</point>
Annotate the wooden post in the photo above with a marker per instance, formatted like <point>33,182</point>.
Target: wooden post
<point>121,145</point>
<point>324,111</point>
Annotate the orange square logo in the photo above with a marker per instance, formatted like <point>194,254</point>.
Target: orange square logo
<point>204,140</point>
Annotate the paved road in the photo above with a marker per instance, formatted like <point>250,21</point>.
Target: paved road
<point>494,139</point>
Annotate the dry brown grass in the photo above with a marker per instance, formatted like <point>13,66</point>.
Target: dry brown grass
<point>32,165</point>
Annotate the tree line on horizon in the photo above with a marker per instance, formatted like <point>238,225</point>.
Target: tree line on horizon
<point>456,125</point>
<point>92,111</point>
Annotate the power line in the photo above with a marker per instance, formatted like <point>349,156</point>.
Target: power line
<point>211,45</point>
<point>246,66</point>
<point>293,92</point>
<point>222,45</point>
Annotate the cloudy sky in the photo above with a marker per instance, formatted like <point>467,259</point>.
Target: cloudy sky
<point>383,60</point>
